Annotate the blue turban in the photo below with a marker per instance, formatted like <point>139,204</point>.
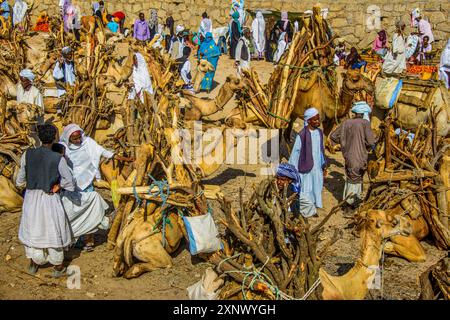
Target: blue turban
<point>66,50</point>
<point>289,171</point>
<point>362,107</point>
<point>309,113</point>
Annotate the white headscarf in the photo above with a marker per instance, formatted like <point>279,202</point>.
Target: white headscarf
<point>141,76</point>
<point>258,31</point>
<point>179,29</point>
<point>310,113</point>
<point>415,14</point>
<point>362,107</point>
<point>85,158</point>
<point>19,10</point>
<point>27,73</point>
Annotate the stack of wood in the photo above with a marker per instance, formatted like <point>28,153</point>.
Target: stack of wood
<point>309,50</point>
<point>270,252</point>
<point>435,283</point>
<point>412,171</point>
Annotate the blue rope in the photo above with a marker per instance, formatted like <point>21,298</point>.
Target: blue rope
<point>138,200</point>
<point>160,184</point>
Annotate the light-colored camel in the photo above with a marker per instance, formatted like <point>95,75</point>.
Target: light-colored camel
<point>355,284</point>
<point>201,107</point>
<point>409,116</point>
<point>203,68</point>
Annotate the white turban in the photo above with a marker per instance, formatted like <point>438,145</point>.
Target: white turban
<point>66,50</point>
<point>362,107</point>
<point>179,29</point>
<point>310,113</point>
<point>27,73</point>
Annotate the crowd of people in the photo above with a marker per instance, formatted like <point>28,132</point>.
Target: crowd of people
<point>60,202</point>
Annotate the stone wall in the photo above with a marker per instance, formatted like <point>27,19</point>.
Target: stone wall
<point>347,17</point>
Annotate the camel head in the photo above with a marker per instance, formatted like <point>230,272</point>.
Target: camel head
<point>234,83</point>
<point>383,224</point>
<point>205,66</point>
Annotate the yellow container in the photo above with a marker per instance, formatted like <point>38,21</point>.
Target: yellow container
<point>426,75</point>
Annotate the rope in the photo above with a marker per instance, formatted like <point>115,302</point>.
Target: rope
<point>278,117</point>
<point>160,184</point>
<point>136,195</point>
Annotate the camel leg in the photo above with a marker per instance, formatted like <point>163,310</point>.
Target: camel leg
<point>139,268</point>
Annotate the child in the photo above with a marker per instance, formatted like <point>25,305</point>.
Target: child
<point>425,47</point>
<point>112,25</point>
<point>184,68</point>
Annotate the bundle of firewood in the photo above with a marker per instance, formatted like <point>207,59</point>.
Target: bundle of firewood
<point>435,283</point>
<point>270,252</point>
<point>412,172</point>
<point>309,50</point>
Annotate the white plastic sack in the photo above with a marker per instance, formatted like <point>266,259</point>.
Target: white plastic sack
<point>202,233</point>
<point>206,288</point>
<point>387,92</point>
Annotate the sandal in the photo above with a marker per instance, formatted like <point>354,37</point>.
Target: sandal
<point>59,273</point>
<point>32,268</point>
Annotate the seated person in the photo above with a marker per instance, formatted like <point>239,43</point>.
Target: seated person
<point>112,25</point>
<point>339,52</point>
<point>424,48</point>
<point>354,60</point>
<point>119,17</point>
<point>380,44</point>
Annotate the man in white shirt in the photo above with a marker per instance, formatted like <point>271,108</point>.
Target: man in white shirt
<point>26,91</point>
<point>64,72</point>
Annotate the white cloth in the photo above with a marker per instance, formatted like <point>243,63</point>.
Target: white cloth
<point>311,183</point>
<point>205,26</point>
<point>354,190</point>
<point>32,96</point>
<point>19,10</point>
<point>55,256</point>
<point>185,70</point>
<point>397,65</point>
<point>179,28</point>
<point>44,223</point>
<point>415,13</point>
<point>426,30</point>
<point>85,158</point>
<point>296,27</point>
<point>444,65</point>
<point>74,17</point>
<point>59,74</point>
<point>141,79</point>
<point>27,73</point>
<point>258,32</point>
<point>85,211</point>
<point>412,41</point>
<point>280,48</point>
<point>176,48</point>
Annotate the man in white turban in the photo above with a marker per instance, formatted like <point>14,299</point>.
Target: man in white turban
<point>177,43</point>
<point>26,91</point>
<point>355,136</point>
<point>308,156</point>
<point>395,59</point>
<point>64,71</point>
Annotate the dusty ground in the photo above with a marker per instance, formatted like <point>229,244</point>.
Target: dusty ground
<point>97,282</point>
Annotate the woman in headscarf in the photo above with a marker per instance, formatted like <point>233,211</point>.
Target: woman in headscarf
<point>19,10</point>
<point>354,60</point>
<point>235,33</point>
<point>84,207</point>
<point>259,34</point>
<point>153,23</point>
<point>284,25</point>
<point>209,51</point>
<point>444,65</point>
<point>379,45</point>
<point>395,60</point>
<point>141,78</point>
<point>184,67</point>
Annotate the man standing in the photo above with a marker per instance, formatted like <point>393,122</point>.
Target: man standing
<point>243,52</point>
<point>177,43</point>
<point>395,60</point>
<point>44,228</point>
<point>64,71</point>
<point>355,136</point>
<point>287,177</point>
<point>26,91</point>
<point>308,156</point>
<point>423,26</point>
<point>170,24</point>
<point>141,28</point>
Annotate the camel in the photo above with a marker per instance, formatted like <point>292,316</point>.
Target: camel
<point>410,110</point>
<point>201,107</point>
<point>203,68</point>
<point>355,284</point>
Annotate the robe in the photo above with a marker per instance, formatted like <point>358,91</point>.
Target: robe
<point>209,51</point>
<point>32,96</point>
<point>444,65</point>
<point>397,65</point>
<point>259,34</point>
<point>234,38</point>
<point>311,183</point>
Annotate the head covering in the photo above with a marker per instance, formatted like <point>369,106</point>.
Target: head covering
<point>179,29</point>
<point>153,19</point>
<point>399,23</point>
<point>310,113</point>
<point>415,13</point>
<point>289,171</point>
<point>141,76</point>
<point>68,131</point>
<point>19,10</point>
<point>382,35</point>
<point>95,7</point>
<point>27,73</point>
<point>284,17</point>
<point>235,17</point>
<point>362,107</point>
<point>258,31</point>
<point>66,50</point>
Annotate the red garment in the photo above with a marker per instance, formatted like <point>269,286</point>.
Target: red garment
<point>119,15</point>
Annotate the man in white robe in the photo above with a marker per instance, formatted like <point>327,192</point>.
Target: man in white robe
<point>308,157</point>
<point>242,55</point>
<point>259,35</point>
<point>142,81</point>
<point>26,91</point>
<point>395,60</point>
<point>64,71</point>
<point>444,65</point>
<point>281,48</point>
<point>44,228</point>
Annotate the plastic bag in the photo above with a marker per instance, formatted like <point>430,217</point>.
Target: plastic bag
<point>206,288</point>
<point>203,234</point>
<point>387,93</point>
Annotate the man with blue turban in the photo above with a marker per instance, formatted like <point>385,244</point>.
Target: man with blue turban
<point>26,91</point>
<point>355,136</point>
<point>288,176</point>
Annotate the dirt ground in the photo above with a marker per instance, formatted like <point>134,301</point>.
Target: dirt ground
<point>97,282</point>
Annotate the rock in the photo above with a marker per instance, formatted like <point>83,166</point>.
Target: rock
<point>338,23</point>
<point>90,294</point>
<point>7,257</point>
<point>436,17</point>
